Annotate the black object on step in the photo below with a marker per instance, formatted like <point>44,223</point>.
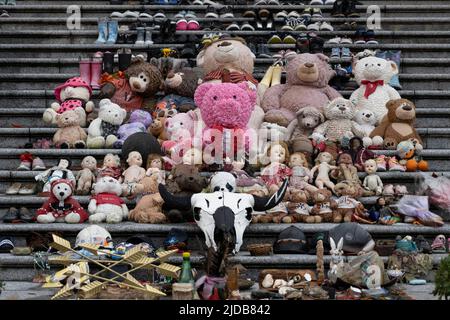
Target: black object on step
<point>108,62</point>
<point>124,61</point>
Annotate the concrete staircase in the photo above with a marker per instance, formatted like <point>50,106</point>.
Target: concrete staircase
<point>37,52</point>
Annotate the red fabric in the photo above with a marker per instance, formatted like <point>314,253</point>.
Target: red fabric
<point>108,198</point>
<point>69,105</point>
<point>124,96</point>
<point>371,86</point>
<point>226,76</point>
<point>26,157</point>
<point>115,172</point>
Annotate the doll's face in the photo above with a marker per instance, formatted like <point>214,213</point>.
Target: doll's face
<point>381,202</point>
<point>134,158</point>
<point>325,157</point>
<point>296,159</point>
<point>89,163</point>
<point>63,164</point>
<point>277,154</point>
<point>238,164</point>
<point>345,159</point>
<point>355,144</point>
<point>370,167</point>
<point>156,163</point>
<point>110,161</point>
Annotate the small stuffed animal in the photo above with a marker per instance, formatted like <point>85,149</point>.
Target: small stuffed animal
<point>75,95</point>
<point>299,210</point>
<point>61,206</point>
<point>139,121</point>
<point>373,75</point>
<point>367,120</point>
<point>102,132</point>
<point>149,207</point>
<point>86,176</point>
<point>111,167</point>
<point>180,132</point>
<point>372,184</point>
<point>408,152</point>
<point>269,133</point>
<point>133,174</point>
<point>339,114</point>
<point>347,206</point>
<point>106,204</point>
<point>346,170</point>
<point>398,124</point>
<point>307,119</point>
<point>69,134</point>
<point>324,206</point>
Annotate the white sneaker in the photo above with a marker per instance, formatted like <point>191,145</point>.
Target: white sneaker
<point>346,41</point>
<point>326,26</point>
<point>131,14</point>
<point>314,26</point>
<point>336,40</point>
<point>329,2</point>
<point>117,14</point>
<point>316,2</point>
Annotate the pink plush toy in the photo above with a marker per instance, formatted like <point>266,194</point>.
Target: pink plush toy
<point>180,131</point>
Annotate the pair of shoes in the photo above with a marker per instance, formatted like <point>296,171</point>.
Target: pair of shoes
<point>309,43</point>
<point>7,2</point>
<point>124,59</point>
<point>107,32</point>
<point>339,40</point>
<point>16,216</point>
<point>127,14</point>
<point>184,24</point>
<point>214,12</point>
<point>4,14</point>
<point>340,53</point>
<point>363,36</point>
<point>28,162</point>
<point>144,36</point>
<point>22,189</point>
<point>296,24</point>
<point>91,70</point>
<point>282,54</point>
<point>185,15</point>
<point>394,190</point>
<point>320,26</point>
<point>345,8</point>
<point>277,39</point>
<point>244,27</point>
<point>285,15</point>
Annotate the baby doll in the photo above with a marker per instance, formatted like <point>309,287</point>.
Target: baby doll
<point>133,174</point>
<point>86,176</point>
<point>301,174</point>
<point>373,186</point>
<point>60,171</point>
<point>274,173</point>
<point>244,181</point>
<point>155,167</point>
<point>324,164</point>
<point>111,168</point>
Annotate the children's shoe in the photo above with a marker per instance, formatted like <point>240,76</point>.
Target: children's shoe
<point>336,40</point>
<point>346,53</point>
<point>26,159</point>
<point>289,39</point>
<point>316,13</point>
<point>388,190</point>
<point>394,165</point>
<point>346,40</point>
<point>314,26</point>
<point>369,37</point>
<point>360,35</point>
<point>381,163</point>
<point>182,24</point>
<point>180,15</point>
<point>193,25</point>
<point>400,190</point>
<point>38,164</point>
<point>307,12</point>
<point>275,39</point>
<point>335,52</point>
<point>438,245</point>
<point>324,26</point>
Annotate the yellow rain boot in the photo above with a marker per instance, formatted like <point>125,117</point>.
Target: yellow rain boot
<point>276,76</point>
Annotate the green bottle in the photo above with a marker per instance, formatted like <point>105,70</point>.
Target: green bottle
<point>186,270</point>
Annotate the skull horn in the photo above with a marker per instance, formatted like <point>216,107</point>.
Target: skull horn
<point>267,203</point>
<point>173,202</point>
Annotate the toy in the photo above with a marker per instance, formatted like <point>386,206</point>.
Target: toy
<point>337,263</point>
<point>180,133</point>
<point>140,80</point>
<point>372,184</point>
<point>307,119</point>
<point>111,167</point>
<point>324,165</point>
<point>382,213</point>
<point>347,171</point>
<point>69,134</point>
<point>299,210</point>
<point>222,181</point>
<point>366,120</point>
<point>301,175</point>
<point>155,167</point>
<point>306,86</point>
<point>133,174</point>
<point>339,114</point>
<point>86,176</point>
<point>102,132</point>
<point>157,129</point>
<point>373,75</point>
<point>139,121</point>
<point>181,86</point>
<point>324,206</point>
<point>269,133</point>
<point>60,171</point>
<point>245,183</point>
<point>347,206</point>
<point>408,151</point>
<point>398,125</point>
<point>359,153</point>
<point>142,142</point>
<point>61,206</point>
<point>277,171</point>
<point>75,95</point>
<point>149,207</point>
<point>106,204</point>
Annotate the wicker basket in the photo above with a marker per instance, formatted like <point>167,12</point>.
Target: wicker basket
<point>263,249</point>
<point>385,247</point>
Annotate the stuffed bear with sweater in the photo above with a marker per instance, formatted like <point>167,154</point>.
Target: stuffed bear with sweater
<point>139,121</point>
<point>373,75</point>
<point>69,134</point>
<point>306,86</point>
<point>102,132</point>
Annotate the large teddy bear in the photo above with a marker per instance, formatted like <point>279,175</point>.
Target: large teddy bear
<point>139,121</point>
<point>373,75</point>
<point>306,85</point>
<point>69,134</point>
<point>230,60</point>
<point>102,132</point>
<point>75,95</point>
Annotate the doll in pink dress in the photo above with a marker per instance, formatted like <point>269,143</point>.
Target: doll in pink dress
<point>301,175</point>
<point>274,174</point>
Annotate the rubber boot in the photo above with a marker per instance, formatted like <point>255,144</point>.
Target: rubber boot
<point>102,31</point>
<point>276,75</point>
<point>108,62</point>
<point>267,79</point>
<point>140,40</point>
<point>124,60</point>
<point>148,36</point>
<point>96,72</point>
<point>113,31</point>
<point>85,70</point>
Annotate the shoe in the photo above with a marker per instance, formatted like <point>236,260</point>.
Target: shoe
<point>328,2</point>
<point>394,165</point>
<point>140,40</point>
<point>336,11</point>
<point>293,14</point>
<point>281,14</point>
<point>314,26</point>
<point>249,14</point>
<point>226,12</point>
<point>422,245</point>
<point>275,39</point>
<point>131,14</point>
<point>335,53</point>
<point>146,15</point>
<point>233,27</point>
<point>4,14</point>
<point>189,51</point>
<point>116,14</point>
<point>247,27</point>
<point>388,190</point>
<point>6,244</point>
<point>324,26</point>
<point>182,24</point>
<point>113,30</point>
<point>11,216</point>
<point>190,15</point>
<point>438,245</point>
<point>125,59</point>
<point>148,38</point>
<point>193,25</point>
<point>13,189</point>
<point>159,16</point>
<point>316,2</point>
<point>400,190</point>
<point>289,53</point>
<point>211,12</point>
<point>381,163</point>
<point>360,36</point>
<point>96,72</point>
<point>180,15</point>
<point>279,55</point>
<point>102,32</point>
<point>85,70</point>
<point>263,51</point>
<point>369,37</point>
<point>25,215</point>
<point>351,11</point>
<point>289,39</point>
<point>346,40</point>
<point>316,44</point>
<point>302,44</point>
<point>27,189</point>
<point>26,159</point>
<point>38,164</point>
<point>316,13</point>
<point>346,53</point>
<point>108,62</point>
<point>336,40</point>
<point>121,37</point>
<point>307,12</point>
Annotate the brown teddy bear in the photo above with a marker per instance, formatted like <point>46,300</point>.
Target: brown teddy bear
<point>398,124</point>
<point>347,206</point>
<point>149,207</point>
<point>69,134</point>
<point>324,207</point>
<point>306,85</point>
<point>299,210</point>
<point>86,176</point>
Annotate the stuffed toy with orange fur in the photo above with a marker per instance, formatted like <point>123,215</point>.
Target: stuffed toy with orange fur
<point>149,207</point>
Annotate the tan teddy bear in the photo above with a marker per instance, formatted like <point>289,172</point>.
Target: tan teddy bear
<point>86,176</point>
<point>69,134</point>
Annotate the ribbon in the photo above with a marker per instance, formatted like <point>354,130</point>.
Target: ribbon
<point>226,76</point>
<point>371,86</point>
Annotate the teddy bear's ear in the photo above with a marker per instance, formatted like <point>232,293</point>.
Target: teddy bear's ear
<point>391,104</point>
<point>200,58</point>
<point>200,92</point>
<point>104,102</point>
<point>394,67</point>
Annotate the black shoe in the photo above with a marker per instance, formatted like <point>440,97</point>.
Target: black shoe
<point>11,216</point>
<point>116,2</point>
<point>124,60</point>
<point>423,245</point>
<point>302,44</point>
<point>25,215</point>
<point>263,51</point>
<point>226,12</point>
<point>351,11</point>
<point>189,51</point>
<point>108,62</point>
<point>337,11</point>
<point>211,12</point>
<point>6,244</point>
<point>316,45</point>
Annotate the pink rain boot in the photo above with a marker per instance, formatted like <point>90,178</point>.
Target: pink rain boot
<point>96,72</point>
<point>85,70</point>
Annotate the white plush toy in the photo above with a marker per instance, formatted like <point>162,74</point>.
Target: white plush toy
<point>106,204</point>
<point>373,75</point>
<point>268,133</point>
<point>366,120</point>
<point>102,132</point>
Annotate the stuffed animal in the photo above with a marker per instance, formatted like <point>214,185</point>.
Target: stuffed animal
<point>299,210</point>
<point>157,129</point>
<point>133,174</point>
<point>307,119</point>
<point>180,88</point>
<point>367,120</point>
<point>139,121</point>
<point>128,89</point>
<point>180,132</point>
<point>106,204</point>
<point>398,124</point>
<point>74,94</point>
<point>111,167</point>
<point>306,86</point>
<point>408,151</point>
<point>347,171</point>
<point>301,176</point>
<point>69,134</point>
<point>372,184</point>
<point>324,206</point>
<point>86,176</point>
<point>339,114</point>
<point>61,206</point>
<point>149,207</point>
<point>102,132</point>
<point>373,75</point>
<point>347,206</point>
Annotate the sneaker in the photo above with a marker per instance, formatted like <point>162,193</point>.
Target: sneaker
<point>369,37</point>
<point>360,36</point>
<point>131,14</point>
<point>249,14</point>
<point>281,15</point>
<point>11,216</point>
<point>226,12</point>
<point>422,245</point>
<point>287,27</point>
<point>324,26</point>
<point>180,15</point>
<point>117,14</point>
<point>27,189</point>
<point>293,14</point>
<point>190,15</point>
<point>25,215</point>
<point>4,14</point>
<point>335,52</point>
<point>438,245</point>
<point>193,25</point>
<point>316,2</point>
<point>346,40</point>
<point>6,244</point>
<point>316,13</point>
<point>314,26</point>
<point>247,27</point>
<point>233,27</point>
<point>388,190</point>
<point>307,12</point>
<point>346,53</point>
<point>211,12</point>
<point>289,39</point>
<point>394,165</point>
<point>147,15</point>
<point>275,39</point>
<point>13,189</point>
<point>159,16</point>
<point>26,159</point>
<point>381,163</point>
<point>289,53</point>
<point>336,40</point>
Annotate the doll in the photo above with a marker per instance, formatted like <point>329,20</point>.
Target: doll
<point>111,167</point>
<point>244,181</point>
<point>60,171</point>
<point>359,153</point>
<point>324,164</point>
<point>155,166</point>
<point>133,174</point>
<point>86,176</point>
<point>387,216</point>
<point>347,172</point>
<point>301,174</point>
<point>373,186</point>
<point>274,173</point>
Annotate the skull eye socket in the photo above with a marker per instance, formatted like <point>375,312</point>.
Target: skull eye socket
<point>197,211</point>
<point>248,216</point>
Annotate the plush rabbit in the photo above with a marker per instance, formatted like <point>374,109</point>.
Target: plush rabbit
<point>337,260</point>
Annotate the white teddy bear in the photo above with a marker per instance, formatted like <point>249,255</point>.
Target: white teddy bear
<point>339,114</point>
<point>373,75</point>
<point>367,120</point>
<point>102,132</point>
<point>106,204</point>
